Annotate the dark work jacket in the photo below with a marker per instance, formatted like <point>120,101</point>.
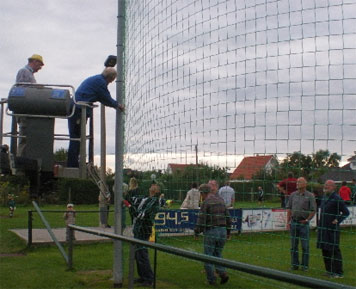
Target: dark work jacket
<point>332,207</point>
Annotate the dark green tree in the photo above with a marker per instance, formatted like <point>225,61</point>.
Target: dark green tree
<point>60,155</point>
<point>311,167</point>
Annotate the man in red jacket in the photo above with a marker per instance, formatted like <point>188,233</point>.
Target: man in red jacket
<point>289,186</point>
<point>345,193</point>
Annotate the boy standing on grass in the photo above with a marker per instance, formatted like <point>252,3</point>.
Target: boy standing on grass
<point>69,217</point>
<point>12,204</point>
<point>143,212</point>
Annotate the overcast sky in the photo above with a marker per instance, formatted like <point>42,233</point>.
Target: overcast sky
<point>74,38</point>
<point>238,77</point>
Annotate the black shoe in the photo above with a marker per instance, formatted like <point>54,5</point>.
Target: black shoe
<point>107,226</point>
<point>212,283</point>
<point>146,284</point>
<point>138,280</point>
<point>224,278</point>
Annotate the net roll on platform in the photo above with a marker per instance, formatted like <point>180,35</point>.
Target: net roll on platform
<point>39,101</point>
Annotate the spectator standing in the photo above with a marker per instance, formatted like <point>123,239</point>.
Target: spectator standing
<point>215,222</point>
<point>132,193</point>
<point>333,212</point>
<point>104,207</point>
<point>353,189</point>
<point>144,212</point>
<point>228,194</point>
<point>192,198</point>
<point>26,75</point>
<point>282,194</point>
<point>260,195</point>
<point>301,208</point>
<point>162,201</point>
<point>92,89</point>
<point>69,217</point>
<point>345,193</point>
<point>133,189</point>
<point>289,186</point>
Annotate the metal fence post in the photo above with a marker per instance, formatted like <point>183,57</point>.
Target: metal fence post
<point>155,269</point>
<point>29,234</point>
<point>131,266</point>
<point>82,158</point>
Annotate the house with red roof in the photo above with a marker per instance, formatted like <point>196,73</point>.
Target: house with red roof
<point>250,166</point>
<point>173,168</point>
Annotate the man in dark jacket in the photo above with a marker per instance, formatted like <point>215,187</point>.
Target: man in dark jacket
<point>333,212</point>
<point>92,89</point>
<point>143,211</point>
<point>214,220</point>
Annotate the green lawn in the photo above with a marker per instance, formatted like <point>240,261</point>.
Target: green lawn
<point>44,267</point>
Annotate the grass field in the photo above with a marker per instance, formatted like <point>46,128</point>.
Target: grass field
<point>44,267</point>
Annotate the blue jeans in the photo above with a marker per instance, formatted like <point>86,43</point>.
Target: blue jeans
<point>214,241</point>
<point>300,232</point>
<point>144,269</point>
<point>74,145</point>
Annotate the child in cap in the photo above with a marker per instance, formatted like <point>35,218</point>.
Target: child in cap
<point>69,217</point>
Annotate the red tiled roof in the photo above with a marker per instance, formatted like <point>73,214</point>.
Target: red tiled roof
<point>181,167</point>
<point>250,166</point>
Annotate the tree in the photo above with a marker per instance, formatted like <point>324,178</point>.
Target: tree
<point>60,155</point>
<point>297,163</point>
<point>311,167</point>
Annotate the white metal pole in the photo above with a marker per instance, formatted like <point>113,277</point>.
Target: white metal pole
<point>102,146</point>
<point>119,146</point>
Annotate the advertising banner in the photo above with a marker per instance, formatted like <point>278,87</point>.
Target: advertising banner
<point>246,220</point>
<point>179,221</point>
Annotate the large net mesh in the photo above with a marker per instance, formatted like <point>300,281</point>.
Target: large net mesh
<point>212,83</point>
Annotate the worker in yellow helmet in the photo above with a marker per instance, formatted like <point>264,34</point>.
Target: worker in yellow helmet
<point>25,74</point>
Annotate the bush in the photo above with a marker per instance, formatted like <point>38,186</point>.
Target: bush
<point>82,191</point>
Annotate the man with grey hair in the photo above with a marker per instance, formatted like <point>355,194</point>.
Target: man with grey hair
<point>25,74</point>
<point>215,222</point>
<point>301,208</point>
<point>332,212</point>
<point>92,89</point>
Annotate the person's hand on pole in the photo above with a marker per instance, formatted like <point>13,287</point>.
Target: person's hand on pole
<point>121,107</point>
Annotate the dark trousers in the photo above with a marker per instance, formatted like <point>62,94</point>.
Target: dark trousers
<point>333,261</point>
<point>143,264</point>
<point>300,232</point>
<point>74,146</point>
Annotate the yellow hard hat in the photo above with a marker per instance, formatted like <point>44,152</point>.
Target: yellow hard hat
<point>36,57</point>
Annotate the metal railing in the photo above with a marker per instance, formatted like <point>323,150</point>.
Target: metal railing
<point>45,222</point>
<point>239,266</point>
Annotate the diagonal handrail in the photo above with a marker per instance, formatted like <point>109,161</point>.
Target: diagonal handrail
<point>239,266</point>
<point>49,229</point>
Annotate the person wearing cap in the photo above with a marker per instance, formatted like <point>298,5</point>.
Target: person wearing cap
<point>25,74</point>
<point>92,89</point>
<point>214,222</point>
<point>69,217</point>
